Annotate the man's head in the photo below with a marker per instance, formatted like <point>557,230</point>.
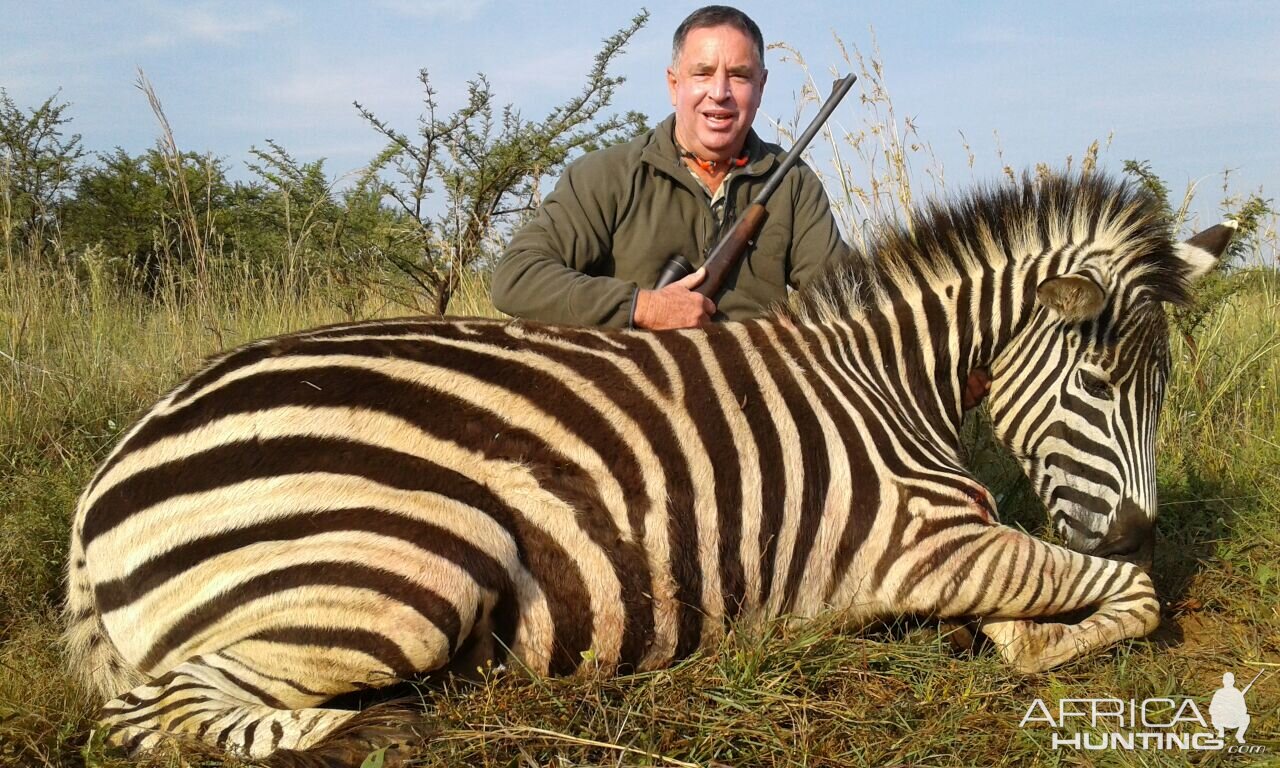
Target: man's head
<point>716,79</point>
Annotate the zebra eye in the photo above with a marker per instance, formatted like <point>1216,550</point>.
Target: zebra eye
<point>1095,386</point>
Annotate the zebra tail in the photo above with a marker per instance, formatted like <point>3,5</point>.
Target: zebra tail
<point>91,656</point>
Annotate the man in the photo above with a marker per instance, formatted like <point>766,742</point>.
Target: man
<point>600,239</point>
<point>1228,710</point>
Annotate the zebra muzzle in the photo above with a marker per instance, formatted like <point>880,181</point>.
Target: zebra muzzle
<point>1131,537</point>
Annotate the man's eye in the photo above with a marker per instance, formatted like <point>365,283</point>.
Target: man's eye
<point>1095,386</point>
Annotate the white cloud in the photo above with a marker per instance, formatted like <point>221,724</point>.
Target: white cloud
<point>24,58</point>
<point>313,88</point>
<point>456,10</point>
<point>213,23</point>
<point>993,35</point>
<point>562,71</point>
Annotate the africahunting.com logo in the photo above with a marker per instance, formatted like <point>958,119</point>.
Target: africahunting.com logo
<point>1163,722</point>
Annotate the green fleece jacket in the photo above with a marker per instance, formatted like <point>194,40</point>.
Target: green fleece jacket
<point>619,213</point>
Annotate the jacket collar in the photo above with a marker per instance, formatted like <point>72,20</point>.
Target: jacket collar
<point>663,154</point>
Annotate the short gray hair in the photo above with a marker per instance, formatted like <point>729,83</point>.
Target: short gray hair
<point>717,16</point>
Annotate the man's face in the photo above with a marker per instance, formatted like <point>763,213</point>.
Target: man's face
<point>715,86</point>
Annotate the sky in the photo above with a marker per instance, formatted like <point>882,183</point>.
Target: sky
<point>1191,87</point>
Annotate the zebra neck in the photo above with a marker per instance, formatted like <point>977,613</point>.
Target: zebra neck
<point>931,342</point>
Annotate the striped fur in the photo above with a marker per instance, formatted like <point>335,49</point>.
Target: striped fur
<point>350,506</point>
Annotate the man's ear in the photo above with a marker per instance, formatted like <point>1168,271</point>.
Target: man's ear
<point>1074,297</point>
<point>671,84</point>
<point>1201,254</point>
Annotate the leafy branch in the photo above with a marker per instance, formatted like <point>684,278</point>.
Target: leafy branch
<point>488,163</point>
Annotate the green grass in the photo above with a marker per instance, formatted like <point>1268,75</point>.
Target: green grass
<point>82,356</point>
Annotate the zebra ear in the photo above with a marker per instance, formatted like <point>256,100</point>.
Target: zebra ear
<point>1075,297</point>
<point>1202,252</point>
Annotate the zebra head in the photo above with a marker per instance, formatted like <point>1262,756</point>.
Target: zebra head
<point>1077,394</point>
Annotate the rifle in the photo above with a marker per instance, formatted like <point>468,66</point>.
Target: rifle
<point>731,248</point>
<point>1251,682</point>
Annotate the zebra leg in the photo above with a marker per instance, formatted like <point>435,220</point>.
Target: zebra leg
<point>197,700</point>
<point>209,699</point>
<point>1008,577</point>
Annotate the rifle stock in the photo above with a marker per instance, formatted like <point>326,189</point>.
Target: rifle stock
<point>731,248</point>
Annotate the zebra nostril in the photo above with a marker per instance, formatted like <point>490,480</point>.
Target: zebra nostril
<point>1131,537</point>
<point>1142,556</point>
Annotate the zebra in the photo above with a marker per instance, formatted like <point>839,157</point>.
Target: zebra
<point>351,506</point>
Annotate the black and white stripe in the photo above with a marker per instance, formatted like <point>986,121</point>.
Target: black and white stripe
<point>354,505</point>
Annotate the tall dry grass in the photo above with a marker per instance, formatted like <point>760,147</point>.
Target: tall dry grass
<point>84,349</point>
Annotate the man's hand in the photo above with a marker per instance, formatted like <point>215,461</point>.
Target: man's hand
<point>675,306</point>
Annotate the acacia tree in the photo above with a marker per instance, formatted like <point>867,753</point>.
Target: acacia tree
<point>1212,293</point>
<point>299,211</point>
<point>488,162</point>
<point>299,202</point>
<point>126,204</point>
<point>37,166</point>
<point>119,204</point>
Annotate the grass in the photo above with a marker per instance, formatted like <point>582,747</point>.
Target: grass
<point>83,356</point>
<point>83,352</point>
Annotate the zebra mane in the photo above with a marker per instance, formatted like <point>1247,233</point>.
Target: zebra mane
<point>1027,217</point>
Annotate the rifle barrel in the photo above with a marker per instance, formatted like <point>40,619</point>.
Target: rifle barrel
<point>838,91</point>
<point>1251,682</point>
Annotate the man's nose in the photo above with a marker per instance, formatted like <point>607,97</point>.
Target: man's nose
<point>718,88</point>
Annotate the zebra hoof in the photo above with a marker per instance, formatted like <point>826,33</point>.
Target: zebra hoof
<point>345,756</point>
<point>350,745</point>
<point>963,637</point>
<point>1029,646</point>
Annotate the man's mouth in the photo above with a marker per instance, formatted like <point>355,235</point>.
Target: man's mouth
<point>718,119</point>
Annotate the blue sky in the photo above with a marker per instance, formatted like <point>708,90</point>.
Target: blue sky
<point>1192,87</point>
